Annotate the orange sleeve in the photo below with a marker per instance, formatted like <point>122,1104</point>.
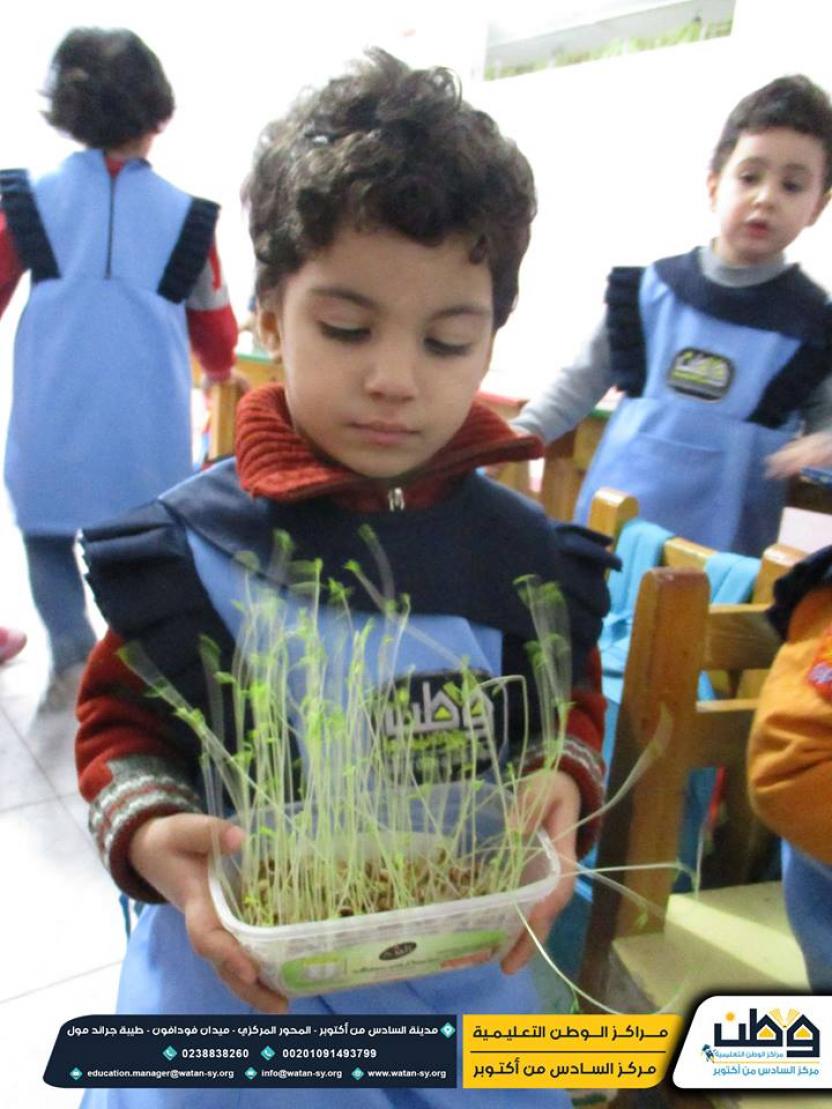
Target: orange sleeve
<point>790,750</point>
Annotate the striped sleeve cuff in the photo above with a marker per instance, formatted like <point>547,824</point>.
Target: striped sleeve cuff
<point>585,765</point>
<point>141,787</point>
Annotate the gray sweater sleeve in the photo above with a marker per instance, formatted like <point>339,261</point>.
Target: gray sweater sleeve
<point>571,394</point>
<point>817,411</point>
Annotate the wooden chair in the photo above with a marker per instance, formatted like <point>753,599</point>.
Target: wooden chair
<point>611,509</point>
<point>257,369</point>
<point>722,940</point>
<point>565,464</point>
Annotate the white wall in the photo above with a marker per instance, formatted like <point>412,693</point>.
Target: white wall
<point>233,66</point>
<point>619,147</point>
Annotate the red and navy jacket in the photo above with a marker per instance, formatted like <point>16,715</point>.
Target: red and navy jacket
<point>457,549</point>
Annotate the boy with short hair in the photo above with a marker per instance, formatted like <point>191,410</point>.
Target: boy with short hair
<point>389,219</point>
<point>720,352</point>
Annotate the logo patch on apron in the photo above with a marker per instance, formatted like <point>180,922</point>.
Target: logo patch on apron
<point>820,672</point>
<point>448,723</point>
<point>699,373</point>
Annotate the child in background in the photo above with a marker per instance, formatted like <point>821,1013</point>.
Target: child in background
<point>124,270</point>
<point>389,219</point>
<point>721,352</point>
<point>790,756</point>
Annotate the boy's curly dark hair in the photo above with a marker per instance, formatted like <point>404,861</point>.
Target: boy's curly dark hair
<point>389,147</point>
<point>106,88</point>
<point>794,102</point>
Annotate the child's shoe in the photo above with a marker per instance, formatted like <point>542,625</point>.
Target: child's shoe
<point>12,643</point>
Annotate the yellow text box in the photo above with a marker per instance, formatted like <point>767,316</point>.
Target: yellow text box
<point>577,1051</point>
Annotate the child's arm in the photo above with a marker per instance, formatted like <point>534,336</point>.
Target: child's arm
<point>146,815</point>
<point>805,451</point>
<point>11,270</point>
<point>571,394</point>
<point>558,800</point>
<point>128,770</point>
<point>172,853</point>
<point>790,750</point>
<point>814,447</point>
<point>212,328</point>
<point>558,796</point>
<point>575,791</point>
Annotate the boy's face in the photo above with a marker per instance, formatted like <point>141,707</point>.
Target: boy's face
<point>384,343</point>
<point>770,188</point>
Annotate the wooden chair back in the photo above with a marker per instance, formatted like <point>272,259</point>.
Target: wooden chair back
<point>677,634</point>
<point>611,509</point>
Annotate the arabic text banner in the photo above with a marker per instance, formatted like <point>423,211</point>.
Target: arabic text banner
<point>576,1051</point>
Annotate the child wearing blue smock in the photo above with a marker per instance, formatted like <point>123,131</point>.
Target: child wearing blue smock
<point>721,354</point>
<point>389,220</point>
<point>124,271</point>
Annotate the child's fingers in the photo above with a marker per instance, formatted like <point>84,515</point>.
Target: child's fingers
<point>191,834</point>
<point>518,956</point>
<point>540,920</point>
<point>525,946</point>
<point>212,942</point>
<point>782,463</point>
<point>255,993</point>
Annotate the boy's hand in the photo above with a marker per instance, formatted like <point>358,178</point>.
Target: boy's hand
<point>808,450</point>
<point>557,797</point>
<point>172,854</point>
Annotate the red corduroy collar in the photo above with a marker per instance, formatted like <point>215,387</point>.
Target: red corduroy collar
<point>274,461</point>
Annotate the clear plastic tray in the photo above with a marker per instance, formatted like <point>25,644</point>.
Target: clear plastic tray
<point>350,952</point>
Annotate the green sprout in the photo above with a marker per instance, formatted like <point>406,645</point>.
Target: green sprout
<point>348,806</point>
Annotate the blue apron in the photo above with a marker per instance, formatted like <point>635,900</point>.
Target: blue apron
<point>100,418</point>
<point>161,974</point>
<point>691,436</point>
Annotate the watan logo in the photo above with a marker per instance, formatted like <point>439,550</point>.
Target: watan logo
<point>699,373</point>
<point>774,1045</point>
<point>792,1036</point>
<point>444,721</point>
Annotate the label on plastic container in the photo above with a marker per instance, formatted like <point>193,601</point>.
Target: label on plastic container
<point>368,963</point>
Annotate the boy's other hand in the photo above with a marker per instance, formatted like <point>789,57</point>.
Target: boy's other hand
<point>556,795</point>
<point>172,853</point>
<point>808,450</point>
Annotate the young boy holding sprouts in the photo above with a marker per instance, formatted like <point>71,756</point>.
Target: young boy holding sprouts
<point>389,220</point>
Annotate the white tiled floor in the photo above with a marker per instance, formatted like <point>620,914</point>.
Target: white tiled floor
<point>61,932</point>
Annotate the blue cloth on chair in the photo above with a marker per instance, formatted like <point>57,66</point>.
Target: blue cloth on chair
<point>732,577</point>
<point>640,548</point>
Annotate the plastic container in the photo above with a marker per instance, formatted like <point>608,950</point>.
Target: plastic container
<point>350,952</point>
